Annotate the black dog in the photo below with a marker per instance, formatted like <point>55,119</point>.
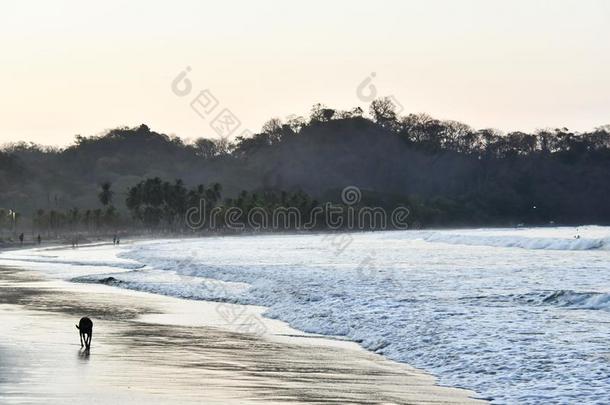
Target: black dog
<point>85,326</point>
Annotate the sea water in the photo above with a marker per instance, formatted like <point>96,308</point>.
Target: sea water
<point>518,315</point>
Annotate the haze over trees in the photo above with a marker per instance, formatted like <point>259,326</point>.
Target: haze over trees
<point>446,172</point>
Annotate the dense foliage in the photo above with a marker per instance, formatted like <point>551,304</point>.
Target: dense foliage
<point>447,172</point>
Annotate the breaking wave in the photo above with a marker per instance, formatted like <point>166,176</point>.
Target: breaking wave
<point>579,300</point>
<point>169,283</point>
<point>515,241</point>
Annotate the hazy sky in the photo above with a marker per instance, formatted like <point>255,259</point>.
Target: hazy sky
<point>74,67</point>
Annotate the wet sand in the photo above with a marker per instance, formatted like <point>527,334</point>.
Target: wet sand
<point>158,350</point>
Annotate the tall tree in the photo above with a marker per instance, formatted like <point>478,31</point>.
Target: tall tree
<point>383,111</point>
<point>105,196</point>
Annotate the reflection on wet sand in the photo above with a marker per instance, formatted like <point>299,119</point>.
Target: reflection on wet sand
<point>84,354</point>
<point>136,361</point>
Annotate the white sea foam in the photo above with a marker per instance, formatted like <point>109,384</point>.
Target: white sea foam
<point>570,239</point>
<point>523,322</point>
<point>169,283</point>
<point>579,300</point>
<point>97,256</point>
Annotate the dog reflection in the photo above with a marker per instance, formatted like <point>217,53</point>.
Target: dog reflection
<point>84,354</point>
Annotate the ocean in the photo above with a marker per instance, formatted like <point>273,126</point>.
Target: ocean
<point>518,315</point>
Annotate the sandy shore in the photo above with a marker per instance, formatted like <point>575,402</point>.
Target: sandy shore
<point>155,349</point>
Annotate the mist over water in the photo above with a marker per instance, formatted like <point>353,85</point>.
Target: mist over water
<point>519,315</point>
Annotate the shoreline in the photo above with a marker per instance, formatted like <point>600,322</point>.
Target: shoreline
<point>191,340</point>
<point>94,239</point>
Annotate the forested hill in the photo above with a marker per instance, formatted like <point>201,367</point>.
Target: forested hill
<point>462,175</point>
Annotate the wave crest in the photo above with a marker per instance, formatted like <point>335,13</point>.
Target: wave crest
<point>579,300</point>
<point>522,242</point>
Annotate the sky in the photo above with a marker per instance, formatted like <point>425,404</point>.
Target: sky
<point>74,67</point>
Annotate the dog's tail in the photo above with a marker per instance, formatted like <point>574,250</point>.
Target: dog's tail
<point>77,327</point>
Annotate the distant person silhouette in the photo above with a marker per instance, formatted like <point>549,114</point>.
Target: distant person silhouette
<point>39,239</point>
<point>21,239</point>
<point>114,240</point>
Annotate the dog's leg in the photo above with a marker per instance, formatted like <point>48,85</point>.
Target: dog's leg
<point>80,335</point>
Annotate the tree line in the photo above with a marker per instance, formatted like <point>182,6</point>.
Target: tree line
<point>447,172</point>
<point>422,132</point>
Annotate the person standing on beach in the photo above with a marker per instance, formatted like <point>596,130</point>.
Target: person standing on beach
<point>21,239</point>
<point>39,239</point>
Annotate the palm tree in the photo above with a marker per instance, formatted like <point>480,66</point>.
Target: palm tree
<point>105,196</point>
<point>216,192</point>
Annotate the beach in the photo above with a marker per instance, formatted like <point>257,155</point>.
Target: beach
<point>159,349</point>
<point>512,315</point>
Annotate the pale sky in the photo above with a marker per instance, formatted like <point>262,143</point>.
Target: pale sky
<point>74,67</point>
